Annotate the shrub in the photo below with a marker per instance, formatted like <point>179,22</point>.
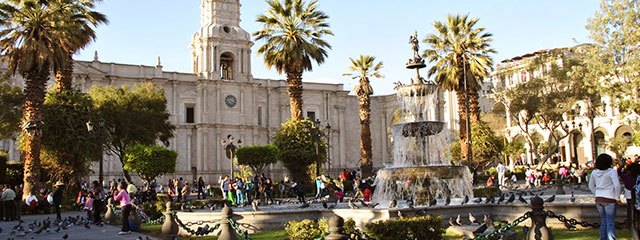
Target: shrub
<point>303,230</point>
<point>349,226</point>
<point>423,228</point>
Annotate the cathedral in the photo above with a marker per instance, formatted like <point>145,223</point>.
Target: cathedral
<point>222,98</point>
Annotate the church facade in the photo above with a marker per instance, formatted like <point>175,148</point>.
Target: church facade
<point>221,98</point>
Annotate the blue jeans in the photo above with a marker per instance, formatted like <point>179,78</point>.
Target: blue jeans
<point>240,197</point>
<point>607,213</point>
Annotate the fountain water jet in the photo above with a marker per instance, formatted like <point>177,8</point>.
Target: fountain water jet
<point>420,171</point>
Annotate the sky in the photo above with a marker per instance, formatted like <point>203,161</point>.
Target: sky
<point>141,30</point>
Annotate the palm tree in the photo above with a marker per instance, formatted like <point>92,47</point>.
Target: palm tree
<point>460,49</point>
<point>293,31</point>
<point>81,22</point>
<point>35,36</point>
<point>362,69</point>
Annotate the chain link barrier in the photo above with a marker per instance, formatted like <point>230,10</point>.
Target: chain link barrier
<point>201,231</point>
<point>505,227</point>
<point>236,227</point>
<point>574,222</point>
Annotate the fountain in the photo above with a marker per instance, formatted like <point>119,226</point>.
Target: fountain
<point>420,171</point>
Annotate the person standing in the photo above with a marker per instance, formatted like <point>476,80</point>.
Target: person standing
<point>179,188</point>
<point>605,185</point>
<point>125,206</point>
<point>239,186</point>
<point>502,170</point>
<point>185,192</point>
<point>201,188</point>
<point>8,197</point>
<point>57,199</point>
<point>98,202</point>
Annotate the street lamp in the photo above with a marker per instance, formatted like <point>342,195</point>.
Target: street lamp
<point>328,128</point>
<point>230,148</point>
<point>99,134</point>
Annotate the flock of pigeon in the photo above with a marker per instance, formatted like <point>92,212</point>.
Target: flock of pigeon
<point>36,229</point>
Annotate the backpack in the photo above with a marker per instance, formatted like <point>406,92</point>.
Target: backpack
<point>636,193</point>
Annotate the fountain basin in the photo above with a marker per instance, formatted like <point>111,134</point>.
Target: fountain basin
<point>417,89</point>
<point>422,184</point>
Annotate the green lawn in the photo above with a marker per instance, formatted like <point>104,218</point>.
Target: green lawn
<point>561,234</point>
<point>154,230</point>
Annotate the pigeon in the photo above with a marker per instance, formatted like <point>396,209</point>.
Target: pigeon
<point>481,229</point>
<point>550,199</point>
<point>1,230</point>
<point>433,202</point>
<point>451,222</point>
<point>489,199</point>
<point>139,238</point>
<point>522,200</point>
<point>525,230</point>
<point>465,200</point>
<point>459,220</point>
<point>254,206</point>
<point>501,198</point>
<point>332,206</point>
<point>400,214</point>
<point>472,219</point>
<point>447,201</point>
<point>410,203</point>
<point>324,204</point>
<point>351,205</point>
<point>86,225</point>
<point>511,199</point>
<point>477,200</point>
<point>421,212</point>
<point>373,205</point>
<point>213,208</point>
<point>66,236</point>
<point>393,203</point>
<point>38,231</point>
<point>364,204</point>
<point>573,197</point>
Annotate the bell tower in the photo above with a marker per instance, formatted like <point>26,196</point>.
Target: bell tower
<point>221,49</point>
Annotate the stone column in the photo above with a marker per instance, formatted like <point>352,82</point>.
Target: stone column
<point>226,232</point>
<point>336,229</point>
<point>539,229</point>
<point>170,226</point>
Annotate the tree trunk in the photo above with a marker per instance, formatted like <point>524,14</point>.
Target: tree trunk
<point>366,166</point>
<point>64,75</point>
<point>294,80</point>
<point>462,115</point>
<point>474,106</point>
<point>127,175</point>
<point>34,91</point>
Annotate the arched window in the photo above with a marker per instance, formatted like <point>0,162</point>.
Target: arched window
<point>226,66</point>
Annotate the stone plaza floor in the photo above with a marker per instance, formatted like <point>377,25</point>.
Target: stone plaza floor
<point>79,232</point>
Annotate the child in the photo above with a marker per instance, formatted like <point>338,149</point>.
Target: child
<point>88,205</point>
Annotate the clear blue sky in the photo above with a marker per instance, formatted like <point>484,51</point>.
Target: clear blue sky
<point>141,30</point>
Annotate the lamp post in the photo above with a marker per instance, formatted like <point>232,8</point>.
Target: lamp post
<point>328,128</point>
<point>229,145</point>
<point>99,134</point>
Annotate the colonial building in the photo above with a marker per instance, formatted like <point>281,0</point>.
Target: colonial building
<point>585,138</point>
<point>221,98</point>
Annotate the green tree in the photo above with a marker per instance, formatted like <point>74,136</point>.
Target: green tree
<point>487,147</point>
<point>460,49</point>
<point>150,162</point>
<point>514,148</point>
<point>11,100</point>
<point>300,146</point>
<point>547,100</point>
<point>614,59</point>
<point>293,32</point>
<point>363,68</point>
<point>34,39</point>
<point>257,157</point>
<point>619,145</point>
<point>67,145</point>
<point>80,20</point>
<point>136,115</point>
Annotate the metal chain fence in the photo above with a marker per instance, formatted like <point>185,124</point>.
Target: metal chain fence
<point>505,227</point>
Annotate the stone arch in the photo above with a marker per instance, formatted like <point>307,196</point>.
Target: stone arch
<point>227,64</point>
<point>625,131</point>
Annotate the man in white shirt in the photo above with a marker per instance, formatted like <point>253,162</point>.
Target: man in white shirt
<point>7,197</point>
<point>502,170</point>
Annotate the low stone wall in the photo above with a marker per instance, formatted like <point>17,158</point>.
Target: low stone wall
<point>275,219</point>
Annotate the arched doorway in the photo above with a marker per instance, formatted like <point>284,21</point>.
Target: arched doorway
<point>600,142</point>
<point>577,148</point>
